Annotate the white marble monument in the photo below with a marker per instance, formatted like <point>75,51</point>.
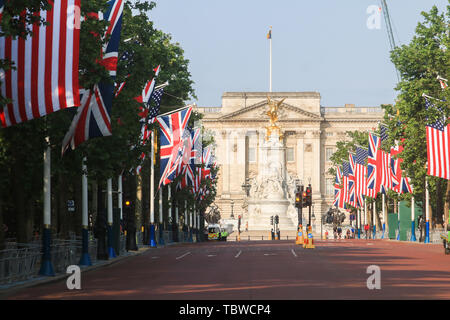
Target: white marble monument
<point>272,191</point>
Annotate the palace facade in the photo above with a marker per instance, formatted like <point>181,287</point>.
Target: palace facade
<point>310,132</point>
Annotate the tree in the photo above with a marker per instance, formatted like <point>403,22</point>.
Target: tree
<point>419,63</point>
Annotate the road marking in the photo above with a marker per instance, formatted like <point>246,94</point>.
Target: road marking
<point>184,255</point>
<point>270,254</point>
<point>155,257</point>
<point>211,255</point>
<point>239,253</point>
<point>293,252</point>
<point>370,244</point>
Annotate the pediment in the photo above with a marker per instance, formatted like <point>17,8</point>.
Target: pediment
<point>258,111</point>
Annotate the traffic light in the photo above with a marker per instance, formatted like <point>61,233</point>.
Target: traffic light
<point>277,219</point>
<point>298,199</point>
<point>271,220</point>
<point>309,196</point>
<point>304,199</point>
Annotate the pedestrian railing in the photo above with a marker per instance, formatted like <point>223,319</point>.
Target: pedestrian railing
<point>19,262</point>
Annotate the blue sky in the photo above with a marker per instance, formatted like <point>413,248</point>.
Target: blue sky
<point>322,46</point>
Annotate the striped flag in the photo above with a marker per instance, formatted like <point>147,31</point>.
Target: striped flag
<point>438,146</point>
<point>361,174</point>
<point>148,88</point>
<point>46,76</point>
<point>386,175</point>
<point>93,118</point>
<point>345,181</point>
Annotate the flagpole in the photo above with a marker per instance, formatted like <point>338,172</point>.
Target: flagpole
<point>413,217</point>
<point>152,242</point>
<point>120,196</point>
<point>366,218</point>
<point>270,60</point>
<point>85,259</point>
<point>383,208</point>
<point>161,234</point>
<point>170,112</point>
<point>427,212</point>
<point>46,264</point>
<point>111,252</point>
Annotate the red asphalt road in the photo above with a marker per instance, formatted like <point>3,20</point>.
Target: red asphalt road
<point>265,270</point>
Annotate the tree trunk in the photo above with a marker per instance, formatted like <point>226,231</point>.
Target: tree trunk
<point>94,202</point>
<point>2,231</point>
<point>63,212</point>
<point>447,205</point>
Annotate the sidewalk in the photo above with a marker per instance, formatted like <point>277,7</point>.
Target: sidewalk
<point>8,289</point>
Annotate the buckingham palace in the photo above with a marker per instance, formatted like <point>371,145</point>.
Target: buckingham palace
<point>310,132</point>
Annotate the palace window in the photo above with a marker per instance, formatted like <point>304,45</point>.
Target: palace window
<point>328,153</point>
<point>329,187</point>
<point>251,154</point>
<point>290,154</point>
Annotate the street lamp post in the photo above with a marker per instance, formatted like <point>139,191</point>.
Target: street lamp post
<point>246,186</point>
<point>232,205</point>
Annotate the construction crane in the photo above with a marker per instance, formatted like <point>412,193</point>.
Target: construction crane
<point>387,20</point>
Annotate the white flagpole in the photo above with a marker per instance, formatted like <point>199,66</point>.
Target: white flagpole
<point>270,66</point>
<point>152,191</point>
<point>46,264</point>
<point>85,258</point>
<point>120,198</point>
<point>427,212</point>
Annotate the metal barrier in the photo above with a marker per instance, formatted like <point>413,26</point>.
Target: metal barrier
<point>20,261</point>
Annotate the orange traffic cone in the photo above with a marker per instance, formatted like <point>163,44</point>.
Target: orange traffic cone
<point>299,239</point>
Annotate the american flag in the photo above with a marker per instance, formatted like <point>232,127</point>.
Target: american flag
<point>171,146</point>
<point>384,135</point>
<point>345,181</point>
<point>45,78</point>
<point>438,146</point>
<point>93,118</point>
<point>148,88</point>
<point>361,174</point>
<point>386,172</point>
<point>373,166</point>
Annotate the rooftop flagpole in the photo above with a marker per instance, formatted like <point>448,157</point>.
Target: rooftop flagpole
<point>269,36</point>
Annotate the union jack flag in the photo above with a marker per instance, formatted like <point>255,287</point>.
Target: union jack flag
<point>45,77</point>
<point>338,190</point>
<point>171,146</point>
<point>93,118</point>
<point>400,184</point>
<point>353,199</point>
<point>373,167</point>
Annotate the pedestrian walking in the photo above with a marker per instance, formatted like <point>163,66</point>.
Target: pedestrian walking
<point>366,230</point>
<point>348,234</point>
<point>339,232</point>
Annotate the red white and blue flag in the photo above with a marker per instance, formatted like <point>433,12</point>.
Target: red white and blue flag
<point>93,118</point>
<point>353,198</point>
<point>373,167</point>
<point>148,88</point>
<point>438,146</point>
<point>45,78</point>
<point>171,143</point>
<point>339,190</point>
<point>361,174</point>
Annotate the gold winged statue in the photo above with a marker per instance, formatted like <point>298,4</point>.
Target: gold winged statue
<point>273,114</point>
